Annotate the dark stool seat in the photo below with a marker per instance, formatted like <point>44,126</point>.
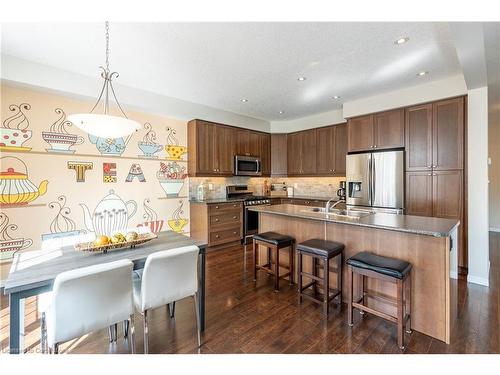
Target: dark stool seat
<point>320,250</point>
<point>323,248</point>
<point>383,265</point>
<point>368,265</point>
<point>274,238</point>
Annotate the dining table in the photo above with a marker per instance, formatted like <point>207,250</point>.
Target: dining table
<point>33,272</point>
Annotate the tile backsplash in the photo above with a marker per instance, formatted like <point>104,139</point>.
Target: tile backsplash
<point>309,186</point>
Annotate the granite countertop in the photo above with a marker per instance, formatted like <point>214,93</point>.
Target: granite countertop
<point>308,197</point>
<point>429,226</point>
<point>226,200</point>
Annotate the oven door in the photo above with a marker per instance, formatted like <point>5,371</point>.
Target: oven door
<point>251,223</point>
<point>247,166</point>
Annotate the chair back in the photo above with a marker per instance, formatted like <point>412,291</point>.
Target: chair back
<point>88,299</point>
<point>169,276</point>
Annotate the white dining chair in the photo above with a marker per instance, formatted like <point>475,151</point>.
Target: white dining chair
<point>168,276</point>
<point>87,299</point>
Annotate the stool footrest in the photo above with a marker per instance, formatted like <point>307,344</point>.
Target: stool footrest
<point>331,296</point>
<point>311,276</point>
<point>375,312</point>
<point>271,271</point>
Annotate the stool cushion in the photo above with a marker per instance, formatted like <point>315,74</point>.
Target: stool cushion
<point>274,238</point>
<point>383,265</point>
<point>321,248</point>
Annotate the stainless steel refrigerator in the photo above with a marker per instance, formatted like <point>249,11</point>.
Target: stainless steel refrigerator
<point>376,179</point>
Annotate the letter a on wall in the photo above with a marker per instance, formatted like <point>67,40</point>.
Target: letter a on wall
<point>108,172</point>
<point>135,172</point>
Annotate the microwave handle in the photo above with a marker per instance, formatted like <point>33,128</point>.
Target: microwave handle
<point>258,167</point>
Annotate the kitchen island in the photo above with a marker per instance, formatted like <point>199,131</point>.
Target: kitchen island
<point>429,244</point>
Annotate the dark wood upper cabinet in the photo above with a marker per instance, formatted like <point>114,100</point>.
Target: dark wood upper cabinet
<point>418,134</point>
<point>331,150</point>
<point>309,152</point>
<point>224,150</point>
<point>265,153</point>
<point>448,134</point>
<point>340,148</point>
<point>419,193</point>
<point>360,133</point>
<point>241,140</point>
<point>279,157</point>
<point>294,153</point>
<point>388,129</point>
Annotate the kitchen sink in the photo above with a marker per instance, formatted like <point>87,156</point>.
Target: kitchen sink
<point>348,213</point>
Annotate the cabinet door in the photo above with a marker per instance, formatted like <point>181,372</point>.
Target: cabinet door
<point>279,160</point>
<point>325,150</point>
<point>360,133</point>
<point>205,152</point>
<point>294,153</point>
<point>388,129</point>
<point>340,149</point>
<point>254,143</point>
<point>241,140</point>
<point>308,152</point>
<point>224,150</point>
<point>447,194</point>
<point>448,134</point>
<point>265,153</point>
<point>418,137</point>
<point>419,193</point>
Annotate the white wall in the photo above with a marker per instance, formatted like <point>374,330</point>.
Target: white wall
<point>477,162</point>
<point>15,71</point>
<point>309,122</point>
<point>426,92</point>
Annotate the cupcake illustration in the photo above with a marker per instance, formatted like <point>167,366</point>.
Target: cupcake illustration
<point>173,149</point>
<point>171,177</point>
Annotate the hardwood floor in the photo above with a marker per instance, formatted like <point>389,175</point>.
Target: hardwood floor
<point>247,318</point>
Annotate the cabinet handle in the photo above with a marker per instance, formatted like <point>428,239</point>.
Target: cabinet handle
<point>434,166</point>
<point>371,146</point>
<point>235,205</point>
<point>235,232</point>
<point>216,207</point>
<point>434,174</point>
<point>235,217</point>
<point>216,219</point>
<point>216,236</point>
<point>429,166</point>
<point>333,170</point>
<point>429,174</point>
<point>375,146</point>
<point>215,170</point>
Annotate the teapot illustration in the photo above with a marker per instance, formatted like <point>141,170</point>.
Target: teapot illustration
<point>108,146</point>
<point>111,215</point>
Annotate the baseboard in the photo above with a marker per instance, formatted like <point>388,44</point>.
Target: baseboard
<point>494,229</point>
<point>478,280</point>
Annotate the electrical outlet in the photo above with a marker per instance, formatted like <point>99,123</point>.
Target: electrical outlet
<point>210,187</point>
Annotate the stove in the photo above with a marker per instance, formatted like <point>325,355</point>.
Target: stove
<point>250,219</point>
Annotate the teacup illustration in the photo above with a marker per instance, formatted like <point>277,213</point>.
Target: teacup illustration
<point>177,224</point>
<point>14,137</point>
<point>149,149</point>
<point>154,225</point>
<point>175,152</point>
<point>10,246</point>
<point>61,142</point>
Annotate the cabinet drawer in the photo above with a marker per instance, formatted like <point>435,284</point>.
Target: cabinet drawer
<point>215,209</point>
<point>225,235</point>
<point>225,217</point>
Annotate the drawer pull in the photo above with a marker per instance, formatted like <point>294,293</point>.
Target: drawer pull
<point>216,219</point>
<point>217,207</point>
<point>216,236</point>
<point>235,232</point>
<point>235,217</point>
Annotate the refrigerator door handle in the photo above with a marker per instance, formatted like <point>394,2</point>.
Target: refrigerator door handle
<point>373,177</point>
<point>370,177</point>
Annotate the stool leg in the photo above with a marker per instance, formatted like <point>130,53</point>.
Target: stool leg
<point>255,258</point>
<point>339,277</point>
<point>277,271</point>
<point>326,286</point>
<point>299,276</point>
<point>315,273</point>
<point>269,259</point>
<point>400,315</point>
<point>408,302</point>
<point>361,312</point>
<point>350,295</point>
<point>290,262</point>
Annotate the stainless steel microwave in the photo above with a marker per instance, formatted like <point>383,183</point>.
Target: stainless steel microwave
<point>247,166</point>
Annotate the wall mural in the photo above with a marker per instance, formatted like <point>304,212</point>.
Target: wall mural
<point>148,145</point>
<point>80,168</point>
<point>109,146</point>
<point>135,171</point>
<point>174,150</point>
<point>111,215</point>
<point>171,177</point>
<point>178,222</point>
<point>14,131</point>
<point>61,226</point>
<point>58,138</point>
<point>9,245</point>
<point>151,218</point>
<point>108,172</point>
<point>15,187</point>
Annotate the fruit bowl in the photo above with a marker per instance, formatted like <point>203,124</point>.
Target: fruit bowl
<point>92,247</point>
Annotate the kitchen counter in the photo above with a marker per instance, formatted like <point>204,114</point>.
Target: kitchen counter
<point>312,198</point>
<point>429,226</point>
<point>215,200</point>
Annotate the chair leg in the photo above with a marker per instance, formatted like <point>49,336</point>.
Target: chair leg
<point>299,276</point>
<point>43,333</point>
<point>400,315</point>
<point>255,260</point>
<point>198,331</point>
<point>290,262</point>
<point>125,328</point>
<point>171,309</point>
<point>55,349</point>
<point>408,302</point>
<point>277,271</point>
<point>350,296</point>
<point>132,333</point>
<point>146,343</point>
<point>326,287</point>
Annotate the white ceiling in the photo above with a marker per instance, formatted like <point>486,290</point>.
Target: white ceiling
<point>218,64</point>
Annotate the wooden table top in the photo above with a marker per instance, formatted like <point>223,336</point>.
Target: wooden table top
<point>33,269</point>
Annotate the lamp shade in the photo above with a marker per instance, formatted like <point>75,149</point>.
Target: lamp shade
<point>104,126</point>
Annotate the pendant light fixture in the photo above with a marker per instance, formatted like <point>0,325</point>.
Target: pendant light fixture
<point>105,125</point>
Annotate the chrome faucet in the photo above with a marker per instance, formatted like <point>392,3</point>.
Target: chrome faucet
<point>327,206</point>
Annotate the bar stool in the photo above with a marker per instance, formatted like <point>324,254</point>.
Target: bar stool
<point>385,269</point>
<point>321,250</point>
<point>274,242</point>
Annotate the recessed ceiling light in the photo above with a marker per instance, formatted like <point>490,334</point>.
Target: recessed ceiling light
<point>335,97</point>
<point>423,73</point>
<point>401,40</point>
<point>244,100</point>
<point>301,79</point>
<point>281,112</point>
